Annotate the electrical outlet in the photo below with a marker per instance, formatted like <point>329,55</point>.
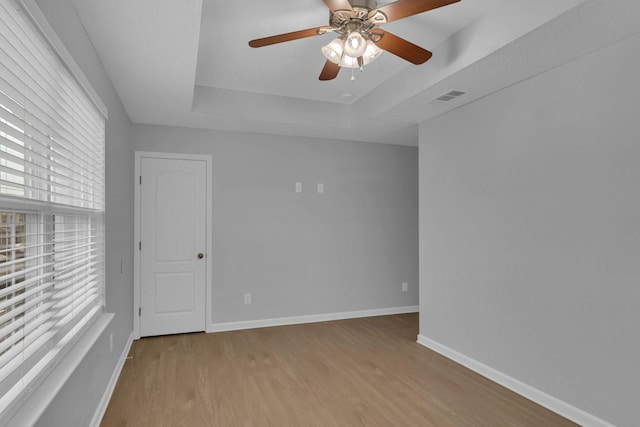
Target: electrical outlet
<point>320,188</point>
<point>405,287</point>
<point>111,343</point>
<point>298,187</point>
<point>247,298</point>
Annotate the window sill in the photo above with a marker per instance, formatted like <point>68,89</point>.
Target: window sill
<point>35,405</point>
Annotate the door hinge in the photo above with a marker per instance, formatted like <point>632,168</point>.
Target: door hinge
<point>140,179</point>
<point>139,311</point>
<point>140,245</point>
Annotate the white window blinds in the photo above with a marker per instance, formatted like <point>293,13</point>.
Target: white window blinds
<point>51,206</point>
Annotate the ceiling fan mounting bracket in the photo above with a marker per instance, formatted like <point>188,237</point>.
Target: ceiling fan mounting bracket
<point>364,4</point>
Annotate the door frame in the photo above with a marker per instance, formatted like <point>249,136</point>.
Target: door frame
<point>137,268</point>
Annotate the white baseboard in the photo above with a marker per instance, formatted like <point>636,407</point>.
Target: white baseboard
<point>296,320</point>
<point>543,399</point>
<point>106,397</point>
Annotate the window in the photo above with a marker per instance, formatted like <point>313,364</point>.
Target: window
<point>12,274</point>
<point>51,207</point>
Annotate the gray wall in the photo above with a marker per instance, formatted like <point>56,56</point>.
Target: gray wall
<point>77,401</point>
<point>303,254</point>
<point>530,232</point>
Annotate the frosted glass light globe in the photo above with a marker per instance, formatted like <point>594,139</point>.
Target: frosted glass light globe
<point>355,45</point>
<point>333,51</point>
<point>371,52</point>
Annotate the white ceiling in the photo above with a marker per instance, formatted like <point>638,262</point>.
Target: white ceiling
<point>187,62</point>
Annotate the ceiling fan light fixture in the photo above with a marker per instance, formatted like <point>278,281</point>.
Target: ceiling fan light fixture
<point>355,44</point>
<point>334,50</point>
<point>349,62</point>
<point>371,52</point>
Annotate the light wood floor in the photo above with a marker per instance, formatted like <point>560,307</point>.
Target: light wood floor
<point>361,372</point>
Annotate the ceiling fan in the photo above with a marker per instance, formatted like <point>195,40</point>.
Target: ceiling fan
<point>360,39</point>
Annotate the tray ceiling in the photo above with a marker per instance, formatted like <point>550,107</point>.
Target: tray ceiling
<point>187,62</point>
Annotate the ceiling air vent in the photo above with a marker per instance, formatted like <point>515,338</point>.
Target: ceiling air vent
<point>449,96</point>
<point>453,94</point>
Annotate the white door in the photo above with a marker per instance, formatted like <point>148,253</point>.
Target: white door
<point>173,242</point>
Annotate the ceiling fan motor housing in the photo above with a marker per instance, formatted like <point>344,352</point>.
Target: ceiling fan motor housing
<point>357,19</point>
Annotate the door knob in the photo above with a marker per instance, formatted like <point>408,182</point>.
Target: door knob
<point>200,255</point>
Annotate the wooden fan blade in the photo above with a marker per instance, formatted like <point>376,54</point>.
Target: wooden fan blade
<point>334,5</point>
<point>404,8</point>
<point>330,71</point>
<point>400,47</point>
<point>280,38</point>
